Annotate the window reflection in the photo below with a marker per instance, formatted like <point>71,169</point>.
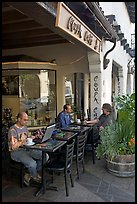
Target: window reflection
<point>69,89</point>
<point>36,92</point>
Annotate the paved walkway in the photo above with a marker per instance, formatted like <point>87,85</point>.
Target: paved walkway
<point>95,185</point>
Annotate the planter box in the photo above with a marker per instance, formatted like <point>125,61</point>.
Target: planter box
<point>122,165</point>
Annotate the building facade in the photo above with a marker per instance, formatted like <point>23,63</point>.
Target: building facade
<point>79,52</point>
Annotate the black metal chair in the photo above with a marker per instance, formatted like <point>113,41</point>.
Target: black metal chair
<point>14,165</point>
<point>64,165</point>
<point>93,139</point>
<point>8,164</point>
<point>80,151</point>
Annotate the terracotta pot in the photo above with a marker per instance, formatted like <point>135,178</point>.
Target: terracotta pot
<point>122,165</point>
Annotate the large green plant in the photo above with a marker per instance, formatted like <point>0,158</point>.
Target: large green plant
<point>119,137</point>
<point>125,105</point>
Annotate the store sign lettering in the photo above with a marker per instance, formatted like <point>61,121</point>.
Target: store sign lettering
<point>74,27</point>
<point>88,38</point>
<point>95,110</point>
<point>95,96</point>
<point>96,89</point>
<point>71,24</point>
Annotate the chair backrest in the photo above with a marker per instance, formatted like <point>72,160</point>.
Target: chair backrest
<point>81,141</point>
<point>6,159</point>
<point>95,132</point>
<point>4,143</point>
<point>69,154</point>
<point>93,135</point>
<point>5,149</point>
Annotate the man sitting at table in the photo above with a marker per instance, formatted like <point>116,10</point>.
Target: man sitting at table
<point>63,118</point>
<point>104,119</point>
<point>32,159</point>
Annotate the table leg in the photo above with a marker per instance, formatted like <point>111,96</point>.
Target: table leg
<point>42,187</point>
<point>40,191</point>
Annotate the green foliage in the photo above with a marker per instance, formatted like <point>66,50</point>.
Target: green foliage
<point>125,105</point>
<point>119,137</point>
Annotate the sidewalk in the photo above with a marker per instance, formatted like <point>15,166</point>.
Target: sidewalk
<point>95,185</point>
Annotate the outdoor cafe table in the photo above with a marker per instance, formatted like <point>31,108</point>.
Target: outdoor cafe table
<point>84,124</point>
<point>65,136</point>
<point>47,147</point>
<point>77,128</point>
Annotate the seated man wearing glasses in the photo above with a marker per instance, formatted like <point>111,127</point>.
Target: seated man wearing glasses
<point>32,159</point>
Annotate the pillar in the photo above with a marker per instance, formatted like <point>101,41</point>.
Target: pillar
<point>86,94</point>
<point>95,84</point>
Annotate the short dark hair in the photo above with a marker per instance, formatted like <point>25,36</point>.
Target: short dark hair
<point>19,115</point>
<point>107,107</point>
<point>65,107</point>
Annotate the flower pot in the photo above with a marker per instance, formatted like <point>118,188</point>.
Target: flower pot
<point>122,165</point>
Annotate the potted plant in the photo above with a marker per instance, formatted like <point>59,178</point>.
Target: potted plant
<point>76,112</point>
<point>118,139</point>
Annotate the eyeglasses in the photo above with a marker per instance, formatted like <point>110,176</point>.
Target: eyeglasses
<point>25,119</point>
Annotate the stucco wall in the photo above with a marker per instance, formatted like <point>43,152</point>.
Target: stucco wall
<point>118,55</point>
<point>70,58</point>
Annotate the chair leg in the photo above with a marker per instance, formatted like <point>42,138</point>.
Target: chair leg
<point>21,176</point>
<point>83,166</point>
<point>77,165</point>
<point>8,171</point>
<point>72,183</point>
<point>66,184</point>
<point>93,153</point>
<point>52,177</point>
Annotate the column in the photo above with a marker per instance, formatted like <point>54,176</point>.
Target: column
<point>86,94</point>
<point>95,84</point>
<point>95,95</point>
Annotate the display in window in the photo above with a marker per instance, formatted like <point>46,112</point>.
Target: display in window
<point>36,94</point>
<point>10,85</point>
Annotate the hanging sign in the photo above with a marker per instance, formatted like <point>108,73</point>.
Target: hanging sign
<point>71,24</point>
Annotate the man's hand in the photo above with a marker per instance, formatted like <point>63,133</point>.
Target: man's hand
<point>32,136</point>
<point>101,128</point>
<point>15,143</point>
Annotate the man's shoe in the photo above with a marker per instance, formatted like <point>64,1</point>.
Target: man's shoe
<point>27,178</point>
<point>37,179</point>
<point>39,176</point>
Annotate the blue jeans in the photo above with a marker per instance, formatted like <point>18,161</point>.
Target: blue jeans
<point>32,159</point>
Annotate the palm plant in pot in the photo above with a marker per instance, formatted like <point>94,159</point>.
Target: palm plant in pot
<point>118,139</point>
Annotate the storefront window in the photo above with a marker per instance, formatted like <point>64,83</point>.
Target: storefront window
<point>32,91</point>
<point>74,92</point>
<point>10,85</point>
<point>69,89</point>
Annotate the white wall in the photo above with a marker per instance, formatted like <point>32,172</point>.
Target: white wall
<point>70,58</point>
<point>118,55</point>
<point>120,11</point>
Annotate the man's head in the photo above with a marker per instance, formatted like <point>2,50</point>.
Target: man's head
<point>67,108</point>
<point>106,108</point>
<point>22,119</point>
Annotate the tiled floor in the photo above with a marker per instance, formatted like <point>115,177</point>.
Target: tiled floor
<point>95,185</point>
